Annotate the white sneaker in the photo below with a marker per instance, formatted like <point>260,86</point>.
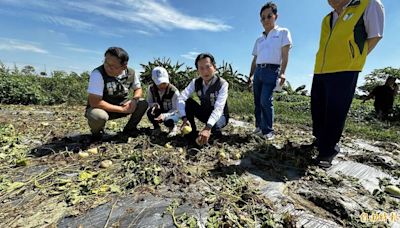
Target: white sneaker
<point>256,131</point>
<point>269,136</point>
<point>260,134</point>
<point>173,132</point>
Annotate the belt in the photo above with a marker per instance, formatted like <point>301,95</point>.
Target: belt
<point>264,65</point>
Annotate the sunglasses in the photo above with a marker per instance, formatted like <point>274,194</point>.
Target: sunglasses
<point>269,16</point>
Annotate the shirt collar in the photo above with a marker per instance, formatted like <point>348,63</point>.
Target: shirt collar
<point>212,81</point>
<point>344,7</point>
<point>275,28</point>
<point>122,74</point>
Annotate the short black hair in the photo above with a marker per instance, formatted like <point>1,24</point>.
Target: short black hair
<point>203,56</point>
<point>268,5</point>
<point>118,52</point>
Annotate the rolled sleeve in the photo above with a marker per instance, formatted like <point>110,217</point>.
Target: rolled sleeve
<point>96,83</point>
<point>374,19</point>
<point>219,105</point>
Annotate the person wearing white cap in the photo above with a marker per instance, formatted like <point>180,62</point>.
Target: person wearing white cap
<point>162,97</point>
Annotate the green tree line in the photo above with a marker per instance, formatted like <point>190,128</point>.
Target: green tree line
<point>25,86</point>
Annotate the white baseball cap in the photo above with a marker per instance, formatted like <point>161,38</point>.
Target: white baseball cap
<point>159,75</point>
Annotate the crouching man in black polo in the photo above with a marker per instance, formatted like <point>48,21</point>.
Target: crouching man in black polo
<point>109,87</point>
<point>212,91</point>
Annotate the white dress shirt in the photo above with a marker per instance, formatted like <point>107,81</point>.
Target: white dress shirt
<point>219,103</point>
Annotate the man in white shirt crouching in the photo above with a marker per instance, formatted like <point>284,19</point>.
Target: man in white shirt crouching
<point>212,91</point>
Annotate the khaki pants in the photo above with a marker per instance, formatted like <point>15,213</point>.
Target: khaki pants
<point>97,117</point>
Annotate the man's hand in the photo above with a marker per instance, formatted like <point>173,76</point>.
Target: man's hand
<point>204,136</point>
<point>154,108</point>
<point>160,118</point>
<point>185,122</point>
<point>250,83</point>
<point>129,106</point>
<point>282,78</point>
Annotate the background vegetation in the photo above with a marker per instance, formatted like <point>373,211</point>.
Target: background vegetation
<point>25,86</point>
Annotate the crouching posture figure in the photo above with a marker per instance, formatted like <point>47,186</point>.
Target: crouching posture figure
<point>212,91</point>
<point>162,97</point>
<point>109,87</point>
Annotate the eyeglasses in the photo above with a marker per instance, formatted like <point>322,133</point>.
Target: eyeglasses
<point>112,67</point>
<point>269,16</point>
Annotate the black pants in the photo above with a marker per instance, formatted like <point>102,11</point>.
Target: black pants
<point>382,110</point>
<point>193,109</point>
<point>331,97</point>
<point>168,123</point>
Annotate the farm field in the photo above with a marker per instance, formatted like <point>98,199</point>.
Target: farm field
<point>239,180</point>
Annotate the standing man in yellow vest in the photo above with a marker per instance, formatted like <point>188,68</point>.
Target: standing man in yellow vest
<point>348,35</point>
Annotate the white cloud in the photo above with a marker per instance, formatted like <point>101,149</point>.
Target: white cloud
<point>153,14</point>
<point>17,45</point>
<point>83,50</point>
<point>116,18</point>
<point>73,23</point>
<point>73,47</point>
<point>164,16</point>
<point>191,55</point>
<point>144,32</point>
<point>29,4</point>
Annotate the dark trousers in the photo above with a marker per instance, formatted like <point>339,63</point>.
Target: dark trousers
<point>331,97</point>
<point>263,86</point>
<point>193,109</point>
<point>154,114</point>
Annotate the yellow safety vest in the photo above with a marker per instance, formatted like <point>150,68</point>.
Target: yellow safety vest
<point>343,47</point>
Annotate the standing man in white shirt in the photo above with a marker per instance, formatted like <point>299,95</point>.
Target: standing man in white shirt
<point>212,90</point>
<point>348,34</point>
<point>109,87</point>
<point>271,55</point>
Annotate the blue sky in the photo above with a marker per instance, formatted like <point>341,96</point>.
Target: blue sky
<point>72,35</point>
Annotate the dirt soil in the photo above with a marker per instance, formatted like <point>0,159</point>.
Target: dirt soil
<point>53,175</point>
